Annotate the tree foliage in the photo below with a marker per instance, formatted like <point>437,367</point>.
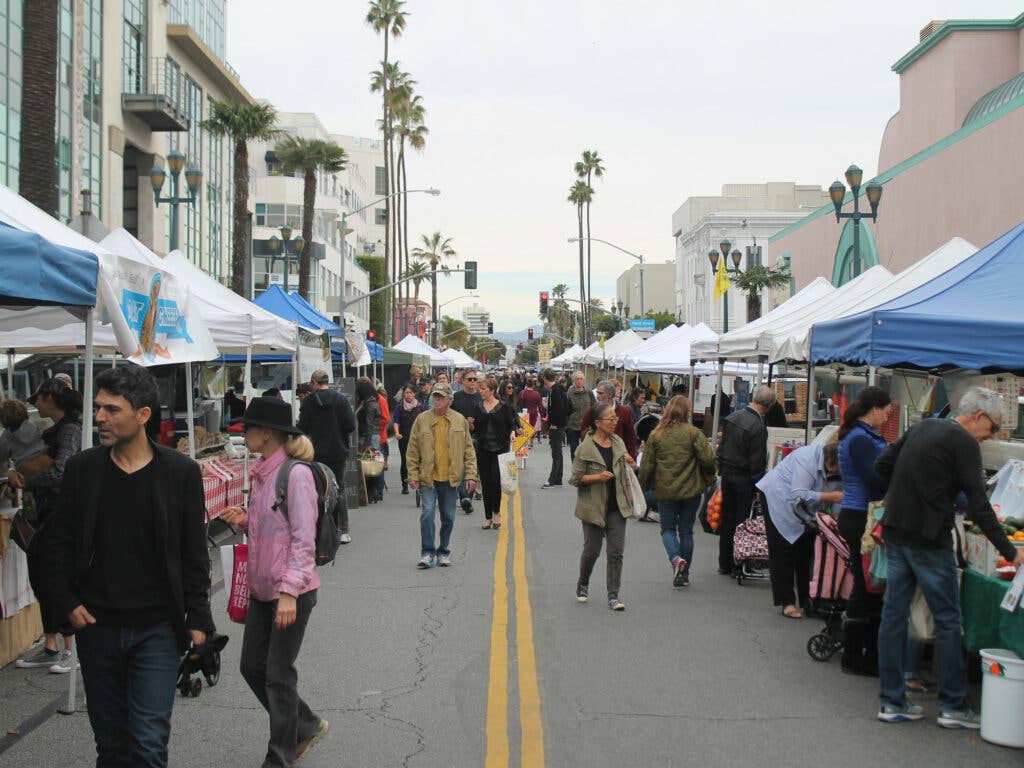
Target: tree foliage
<point>377,269</point>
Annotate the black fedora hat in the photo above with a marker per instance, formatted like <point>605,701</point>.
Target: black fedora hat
<point>269,412</point>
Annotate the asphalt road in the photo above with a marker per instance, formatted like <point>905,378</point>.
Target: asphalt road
<point>492,662</point>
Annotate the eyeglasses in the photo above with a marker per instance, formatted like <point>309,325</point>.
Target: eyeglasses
<point>995,427</point>
<point>609,418</point>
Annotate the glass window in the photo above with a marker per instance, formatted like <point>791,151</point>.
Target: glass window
<point>134,46</point>
<point>381,181</point>
<point>380,216</point>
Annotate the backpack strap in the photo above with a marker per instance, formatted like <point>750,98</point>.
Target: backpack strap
<point>281,486</point>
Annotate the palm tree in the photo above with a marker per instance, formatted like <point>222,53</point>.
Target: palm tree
<point>559,316</point>
<point>37,181</point>
<point>753,280</point>
<point>388,18</point>
<point>586,168</point>
<point>309,156</point>
<point>243,123</point>
<point>409,127</point>
<point>580,194</point>
<point>454,332</point>
<point>418,271</point>
<point>436,249</point>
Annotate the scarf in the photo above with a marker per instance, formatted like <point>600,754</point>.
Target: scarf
<point>407,406</point>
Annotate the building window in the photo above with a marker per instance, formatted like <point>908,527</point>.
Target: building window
<point>381,180</point>
<point>92,104</point>
<point>193,149</point>
<point>380,216</point>
<point>261,214</point>
<point>134,54</point>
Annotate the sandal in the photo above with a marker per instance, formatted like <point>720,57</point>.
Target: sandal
<point>486,525</point>
<point>496,524</point>
<point>792,614</point>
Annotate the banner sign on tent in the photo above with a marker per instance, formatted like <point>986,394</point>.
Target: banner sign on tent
<point>314,354</point>
<point>152,315</point>
<point>356,347</point>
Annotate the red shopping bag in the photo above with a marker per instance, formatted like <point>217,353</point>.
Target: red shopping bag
<point>238,593</point>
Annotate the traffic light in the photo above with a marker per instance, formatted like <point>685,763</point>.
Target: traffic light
<point>490,328</point>
<point>529,334</point>
<point>543,303</point>
<point>470,275</point>
<point>371,335</point>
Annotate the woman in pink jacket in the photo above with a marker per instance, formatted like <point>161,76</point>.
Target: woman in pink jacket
<point>282,577</point>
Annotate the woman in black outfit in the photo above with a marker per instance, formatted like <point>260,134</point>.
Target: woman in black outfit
<point>368,423</point>
<point>405,413</point>
<point>494,424</point>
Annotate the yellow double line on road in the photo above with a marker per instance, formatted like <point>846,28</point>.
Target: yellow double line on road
<point>531,725</point>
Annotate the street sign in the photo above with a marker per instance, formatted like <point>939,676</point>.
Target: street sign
<point>544,353</point>
<point>642,324</point>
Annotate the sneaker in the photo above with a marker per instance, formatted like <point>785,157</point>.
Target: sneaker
<point>345,538</point>
<point>444,560</point>
<point>41,658</point>
<point>686,576</point>
<point>467,505</point>
<point>551,485</point>
<point>64,664</point>
<point>680,572</point>
<point>318,734</point>
<point>427,561</point>
<point>892,713</point>
<point>960,718</point>
<point>582,593</point>
<point>615,604</point>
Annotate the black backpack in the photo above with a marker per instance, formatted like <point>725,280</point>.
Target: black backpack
<point>328,497</point>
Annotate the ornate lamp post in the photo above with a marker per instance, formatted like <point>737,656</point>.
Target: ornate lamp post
<point>275,243</point>
<point>837,193</point>
<point>193,179</point>
<point>713,257</point>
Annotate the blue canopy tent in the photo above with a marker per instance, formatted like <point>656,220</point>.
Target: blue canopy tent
<point>275,300</point>
<point>967,317</point>
<point>37,272</point>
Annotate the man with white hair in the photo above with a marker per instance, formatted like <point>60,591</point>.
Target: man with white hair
<point>926,470</point>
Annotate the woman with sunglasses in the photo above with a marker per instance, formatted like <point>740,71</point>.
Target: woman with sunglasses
<point>507,394</point>
<point>598,471</point>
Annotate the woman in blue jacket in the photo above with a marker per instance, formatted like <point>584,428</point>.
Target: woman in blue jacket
<point>859,446</point>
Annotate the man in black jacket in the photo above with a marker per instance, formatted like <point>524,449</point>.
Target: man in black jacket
<point>128,566</point>
<point>742,461</point>
<point>466,401</point>
<point>559,408</point>
<point>926,470</point>
<point>327,419</point>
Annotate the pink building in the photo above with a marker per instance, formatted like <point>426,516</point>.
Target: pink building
<point>410,316</point>
<point>951,156</point>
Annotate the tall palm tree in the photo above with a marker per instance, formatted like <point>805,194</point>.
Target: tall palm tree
<point>409,114</point>
<point>386,17</point>
<point>309,156</point>
<point>454,332</point>
<point>243,123</point>
<point>589,167</point>
<point>580,194</point>
<point>436,250</point>
<point>559,315</point>
<point>37,181</point>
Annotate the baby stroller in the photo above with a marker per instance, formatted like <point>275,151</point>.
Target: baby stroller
<point>750,545</point>
<point>831,584</point>
<point>206,664</point>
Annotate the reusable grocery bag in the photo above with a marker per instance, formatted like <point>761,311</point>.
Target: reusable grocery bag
<point>635,494</point>
<point>234,560</point>
<point>508,468</point>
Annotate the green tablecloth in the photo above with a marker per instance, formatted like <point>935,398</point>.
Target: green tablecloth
<point>986,625</point>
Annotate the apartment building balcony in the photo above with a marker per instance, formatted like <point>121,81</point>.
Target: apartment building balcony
<point>153,93</point>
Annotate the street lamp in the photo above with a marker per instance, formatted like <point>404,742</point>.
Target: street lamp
<point>193,180</point>
<point>639,257</point>
<point>343,230</point>
<point>275,243</point>
<point>837,193</point>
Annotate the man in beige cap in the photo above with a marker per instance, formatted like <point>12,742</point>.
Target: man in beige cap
<point>440,455</point>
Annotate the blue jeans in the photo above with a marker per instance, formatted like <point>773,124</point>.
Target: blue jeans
<point>935,571</point>
<point>129,677</point>
<point>441,498</point>
<point>677,518</point>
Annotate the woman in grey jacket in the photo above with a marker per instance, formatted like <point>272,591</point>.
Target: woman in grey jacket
<point>598,471</point>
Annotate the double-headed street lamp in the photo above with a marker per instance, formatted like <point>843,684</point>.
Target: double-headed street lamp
<point>713,257</point>
<point>193,178</point>
<point>837,193</point>
<point>274,243</point>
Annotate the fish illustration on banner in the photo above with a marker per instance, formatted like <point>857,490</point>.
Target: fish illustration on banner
<point>152,314</point>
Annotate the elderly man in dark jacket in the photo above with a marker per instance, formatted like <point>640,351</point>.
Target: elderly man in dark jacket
<point>742,461</point>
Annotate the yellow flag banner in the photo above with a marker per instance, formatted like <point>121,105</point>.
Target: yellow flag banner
<point>722,283</point>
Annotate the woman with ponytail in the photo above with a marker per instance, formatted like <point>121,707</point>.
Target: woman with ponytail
<point>859,445</point>
<point>282,577</point>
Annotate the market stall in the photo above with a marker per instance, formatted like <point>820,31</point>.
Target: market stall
<point>601,354</point>
<point>568,358</point>
<point>416,346</point>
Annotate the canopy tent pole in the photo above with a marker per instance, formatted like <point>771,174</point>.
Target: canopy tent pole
<point>689,391</point>
<point>810,401</point>
<point>113,360</point>
<point>718,404</point>
<point>247,377</point>
<point>189,407</point>
<point>771,370</point>
<point>760,369</point>
<point>295,375</point>
<point>10,374</point>
<point>872,371</point>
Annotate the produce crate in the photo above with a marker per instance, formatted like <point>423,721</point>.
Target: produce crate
<point>981,555</point>
<point>215,493</point>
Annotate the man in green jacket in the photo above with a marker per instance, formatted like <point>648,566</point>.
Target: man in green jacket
<point>439,456</point>
<point>582,400</point>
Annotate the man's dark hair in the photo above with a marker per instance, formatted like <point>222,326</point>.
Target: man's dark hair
<point>133,383</point>
<point>549,374</point>
<point>305,388</point>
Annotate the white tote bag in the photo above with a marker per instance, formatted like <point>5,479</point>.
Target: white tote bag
<point>508,468</point>
<point>635,494</point>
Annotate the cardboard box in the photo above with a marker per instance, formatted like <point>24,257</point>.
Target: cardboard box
<point>981,555</point>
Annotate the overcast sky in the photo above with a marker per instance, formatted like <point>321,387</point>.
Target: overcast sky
<point>679,97</point>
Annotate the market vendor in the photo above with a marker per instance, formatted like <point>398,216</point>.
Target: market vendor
<point>926,469</point>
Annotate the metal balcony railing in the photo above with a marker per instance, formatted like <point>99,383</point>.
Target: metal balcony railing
<point>153,91</point>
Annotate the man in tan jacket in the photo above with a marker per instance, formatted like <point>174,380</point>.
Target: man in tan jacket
<point>439,457</point>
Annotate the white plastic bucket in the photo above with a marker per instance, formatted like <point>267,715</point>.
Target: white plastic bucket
<point>1002,697</point>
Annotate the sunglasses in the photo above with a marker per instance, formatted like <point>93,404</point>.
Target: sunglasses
<point>469,379</point>
<point>994,428</point>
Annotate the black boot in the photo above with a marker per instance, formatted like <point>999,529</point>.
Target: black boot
<point>405,489</point>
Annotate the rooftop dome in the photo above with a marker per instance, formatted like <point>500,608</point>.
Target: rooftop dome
<point>996,98</point>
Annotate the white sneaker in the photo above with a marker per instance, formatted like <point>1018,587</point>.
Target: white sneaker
<point>64,664</point>
<point>427,561</point>
<point>345,538</point>
<point>444,560</point>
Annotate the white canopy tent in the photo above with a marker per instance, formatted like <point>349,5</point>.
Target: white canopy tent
<point>671,354</point>
<point>743,341</point>
<point>568,357</point>
<point>794,342</point>
<point>461,360</point>
<point>416,346</point>
<point>621,342</point>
